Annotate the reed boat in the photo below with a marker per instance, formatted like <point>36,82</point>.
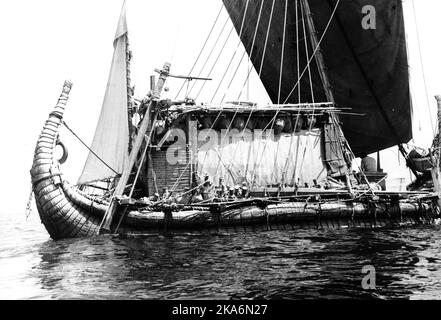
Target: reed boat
<point>181,166</point>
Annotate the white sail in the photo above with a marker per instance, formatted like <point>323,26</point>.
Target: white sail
<point>111,139</point>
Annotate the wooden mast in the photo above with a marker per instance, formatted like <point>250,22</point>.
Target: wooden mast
<point>326,87</point>
<point>145,124</point>
<point>318,53</point>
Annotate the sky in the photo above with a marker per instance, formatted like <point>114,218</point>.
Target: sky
<point>45,42</point>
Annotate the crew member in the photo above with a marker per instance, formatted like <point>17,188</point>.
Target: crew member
<point>185,197</point>
<point>206,189</point>
<point>244,190</point>
<point>221,188</point>
<point>237,192</point>
<point>368,164</point>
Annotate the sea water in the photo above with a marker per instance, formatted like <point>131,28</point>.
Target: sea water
<point>297,264</point>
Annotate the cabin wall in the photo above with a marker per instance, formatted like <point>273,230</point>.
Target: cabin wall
<point>163,174</point>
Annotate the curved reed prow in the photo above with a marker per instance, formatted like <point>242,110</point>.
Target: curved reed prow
<point>45,172</point>
<point>43,165</point>
<point>58,111</point>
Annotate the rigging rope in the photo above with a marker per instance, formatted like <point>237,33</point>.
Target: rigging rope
<point>176,184</point>
<point>153,173</point>
<point>202,49</point>
<point>310,82</point>
<point>251,52</point>
<point>362,70</point>
<point>299,97</point>
<point>237,109</point>
<point>273,120</point>
<point>285,168</point>
<point>147,145</point>
<point>298,51</point>
<point>182,194</point>
<point>416,114</point>
<point>249,71</point>
<point>283,52</point>
<point>311,87</point>
<point>341,139</point>
<point>250,68</point>
<point>211,52</point>
<point>91,151</point>
<point>280,77</point>
<point>232,78</point>
<point>235,51</point>
<point>284,172</point>
<point>220,112</point>
<point>422,67</point>
<point>315,50</point>
<point>28,210</point>
<point>264,52</point>
<point>266,38</point>
<point>215,62</point>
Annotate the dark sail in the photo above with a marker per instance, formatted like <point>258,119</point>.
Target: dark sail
<point>367,68</point>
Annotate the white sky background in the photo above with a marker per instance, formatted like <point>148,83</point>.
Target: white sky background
<point>45,42</point>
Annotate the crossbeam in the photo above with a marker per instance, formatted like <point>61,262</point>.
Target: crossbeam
<point>189,78</point>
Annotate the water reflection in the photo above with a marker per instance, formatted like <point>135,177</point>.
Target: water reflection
<point>294,264</point>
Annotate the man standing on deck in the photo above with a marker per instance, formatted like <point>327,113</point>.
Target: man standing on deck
<point>368,164</point>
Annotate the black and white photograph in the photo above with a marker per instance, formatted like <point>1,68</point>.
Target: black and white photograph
<point>231,152</point>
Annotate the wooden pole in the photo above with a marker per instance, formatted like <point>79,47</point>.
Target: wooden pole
<point>161,81</point>
<point>436,174</point>
<point>325,80</point>
<point>119,190</point>
<point>192,138</point>
<point>378,162</point>
<point>152,83</point>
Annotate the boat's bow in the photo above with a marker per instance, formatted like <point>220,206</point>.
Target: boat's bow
<point>61,206</point>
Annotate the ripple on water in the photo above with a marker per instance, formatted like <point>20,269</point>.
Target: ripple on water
<point>297,264</point>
